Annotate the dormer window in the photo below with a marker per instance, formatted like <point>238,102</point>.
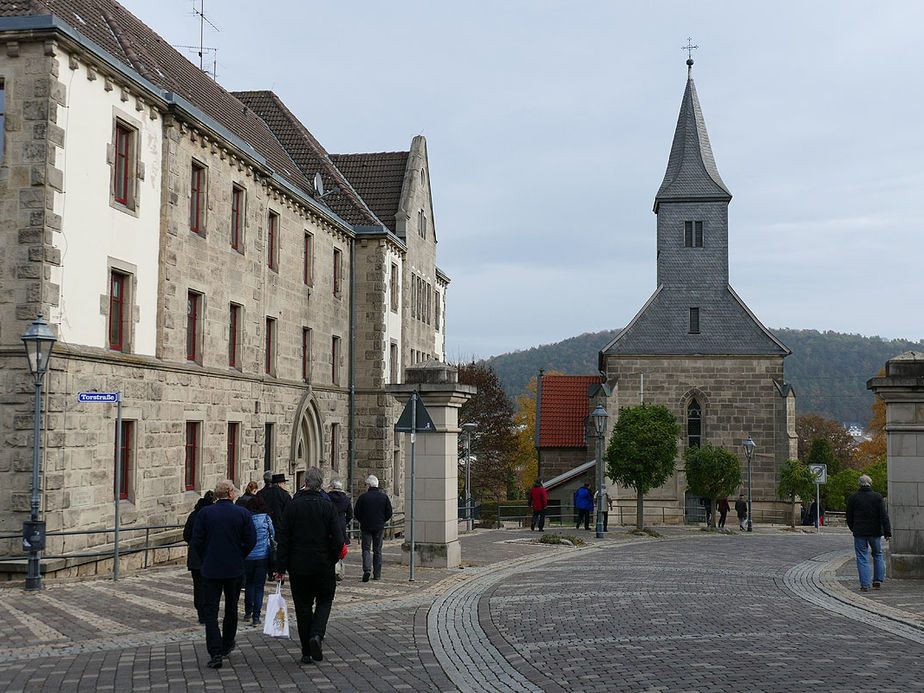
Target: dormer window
<point>692,234</point>
<point>694,321</point>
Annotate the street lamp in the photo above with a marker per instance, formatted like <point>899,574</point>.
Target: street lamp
<point>599,417</point>
<point>467,428</point>
<point>38,341</point>
<point>749,446</point>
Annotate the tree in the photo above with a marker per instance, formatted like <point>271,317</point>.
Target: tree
<point>879,473</point>
<point>795,480</point>
<point>494,438</point>
<point>812,426</point>
<point>712,473</point>
<point>526,461</point>
<point>834,493</point>
<point>873,451</point>
<point>642,450</point>
<point>821,453</point>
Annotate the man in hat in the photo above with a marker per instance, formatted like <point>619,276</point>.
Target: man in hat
<point>868,519</point>
<point>373,510</point>
<point>275,497</point>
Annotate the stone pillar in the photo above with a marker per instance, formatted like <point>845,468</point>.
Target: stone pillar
<point>436,522</point>
<point>902,390</point>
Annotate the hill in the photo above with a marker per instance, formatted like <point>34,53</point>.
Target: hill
<point>829,370</point>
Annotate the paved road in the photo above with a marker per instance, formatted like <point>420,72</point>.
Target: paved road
<point>767,612</point>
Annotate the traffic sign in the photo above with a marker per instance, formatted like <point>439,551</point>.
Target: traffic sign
<point>423,422</point>
<point>820,472</point>
<point>97,396</point>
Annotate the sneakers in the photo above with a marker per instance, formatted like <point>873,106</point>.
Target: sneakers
<point>877,585</point>
<point>366,576</point>
<point>314,647</point>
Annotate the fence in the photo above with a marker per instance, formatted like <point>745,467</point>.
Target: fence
<point>626,515</point>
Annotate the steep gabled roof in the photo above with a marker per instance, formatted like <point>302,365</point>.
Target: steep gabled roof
<point>564,409</point>
<point>379,179</point>
<point>691,171</point>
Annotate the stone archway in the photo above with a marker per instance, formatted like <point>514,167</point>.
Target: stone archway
<point>307,439</point>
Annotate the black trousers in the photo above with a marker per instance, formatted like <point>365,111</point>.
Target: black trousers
<point>220,641</point>
<point>312,596</point>
<point>197,592</point>
<point>538,515</point>
<point>583,516</point>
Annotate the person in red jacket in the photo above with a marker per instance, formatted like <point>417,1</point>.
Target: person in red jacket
<point>538,501</point>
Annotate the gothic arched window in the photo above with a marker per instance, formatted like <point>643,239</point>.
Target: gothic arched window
<point>694,424</point>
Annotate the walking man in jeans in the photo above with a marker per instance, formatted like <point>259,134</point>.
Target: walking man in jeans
<point>868,519</point>
<point>373,511</point>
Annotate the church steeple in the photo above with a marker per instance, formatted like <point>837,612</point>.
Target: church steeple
<point>691,171</point>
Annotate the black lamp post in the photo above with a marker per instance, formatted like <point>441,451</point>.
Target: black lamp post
<point>38,340</point>
<point>599,417</point>
<point>749,446</point>
<point>467,428</point>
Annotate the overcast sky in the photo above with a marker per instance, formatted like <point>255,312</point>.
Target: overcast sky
<point>549,125</point>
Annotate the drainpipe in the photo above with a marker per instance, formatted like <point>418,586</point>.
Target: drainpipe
<point>351,447</point>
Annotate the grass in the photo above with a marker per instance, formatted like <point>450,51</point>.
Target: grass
<point>568,539</point>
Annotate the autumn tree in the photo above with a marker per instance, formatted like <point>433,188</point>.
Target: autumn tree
<point>812,426</point>
<point>873,451</point>
<point>494,440</point>
<point>820,452</point>
<point>642,451</point>
<point>712,473</point>
<point>795,481</point>
<point>526,461</point>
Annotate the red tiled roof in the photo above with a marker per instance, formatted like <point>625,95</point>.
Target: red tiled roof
<point>564,409</point>
<point>378,178</point>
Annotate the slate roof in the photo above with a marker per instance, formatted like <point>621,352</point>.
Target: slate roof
<point>379,179</point>
<point>691,171</point>
<point>564,409</point>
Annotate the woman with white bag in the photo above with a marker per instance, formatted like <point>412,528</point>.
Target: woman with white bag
<point>256,564</point>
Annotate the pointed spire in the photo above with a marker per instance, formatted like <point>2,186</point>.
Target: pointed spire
<point>691,171</point>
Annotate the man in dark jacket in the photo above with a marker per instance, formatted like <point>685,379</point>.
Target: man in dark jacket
<point>373,510</point>
<point>344,509</point>
<point>584,504</point>
<point>741,508</point>
<point>310,543</point>
<point>275,497</point>
<point>868,519</point>
<point>223,535</point>
<point>193,559</point>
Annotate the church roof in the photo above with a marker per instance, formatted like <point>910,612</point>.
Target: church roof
<point>564,409</point>
<point>691,171</point>
<point>379,178</point>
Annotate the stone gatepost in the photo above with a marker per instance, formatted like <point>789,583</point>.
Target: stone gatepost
<point>436,493</point>
<point>902,390</point>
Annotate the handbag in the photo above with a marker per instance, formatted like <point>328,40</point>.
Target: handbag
<point>277,616</point>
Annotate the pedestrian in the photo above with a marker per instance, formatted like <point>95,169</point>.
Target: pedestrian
<point>249,492</point>
<point>604,507</point>
<point>538,501</point>
<point>223,535</point>
<point>741,508</point>
<point>257,564</point>
<point>584,504</point>
<point>816,514</point>
<point>275,496</point>
<point>723,508</point>
<point>707,509</point>
<point>310,543</point>
<point>373,510</point>
<point>193,559</point>
<point>868,519</point>
<point>344,509</point>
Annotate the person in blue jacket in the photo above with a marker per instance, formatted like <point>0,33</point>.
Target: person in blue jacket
<point>222,536</point>
<point>257,562</point>
<point>584,504</point>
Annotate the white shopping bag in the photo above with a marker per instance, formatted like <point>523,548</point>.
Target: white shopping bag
<point>277,616</point>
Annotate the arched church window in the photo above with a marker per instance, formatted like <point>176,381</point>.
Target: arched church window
<point>694,424</point>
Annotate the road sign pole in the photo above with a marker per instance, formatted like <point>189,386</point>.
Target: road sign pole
<point>413,476</point>
<point>818,507</point>
<point>118,487</point>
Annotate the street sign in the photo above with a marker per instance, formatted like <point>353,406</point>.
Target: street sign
<point>423,424</point>
<point>820,472</point>
<point>97,396</point>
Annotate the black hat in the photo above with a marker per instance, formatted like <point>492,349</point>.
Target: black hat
<point>279,478</point>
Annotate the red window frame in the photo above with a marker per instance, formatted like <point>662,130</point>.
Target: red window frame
<point>116,310</point>
<point>307,269</point>
<point>192,326</point>
<point>195,198</point>
<point>123,458</point>
<point>271,230</point>
<point>335,360</point>
<point>233,321</point>
<point>233,437</point>
<point>192,440</point>
<point>121,180</point>
<point>237,199</point>
<point>270,337</point>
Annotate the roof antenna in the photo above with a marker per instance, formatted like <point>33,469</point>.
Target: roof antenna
<point>689,49</point>
<point>202,49</point>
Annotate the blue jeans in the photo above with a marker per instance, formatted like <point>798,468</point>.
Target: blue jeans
<point>860,545</point>
<point>254,582</point>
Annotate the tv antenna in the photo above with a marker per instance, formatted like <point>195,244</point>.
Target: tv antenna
<point>202,49</point>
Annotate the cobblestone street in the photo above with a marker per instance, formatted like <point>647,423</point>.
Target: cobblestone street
<point>770,611</point>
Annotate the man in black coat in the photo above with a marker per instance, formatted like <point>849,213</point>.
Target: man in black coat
<point>193,559</point>
<point>275,497</point>
<point>310,543</point>
<point>223,535</point>
<point>868,519</point>
<point>373,511</point>
<point>344,509</point>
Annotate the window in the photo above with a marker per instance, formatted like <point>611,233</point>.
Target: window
<point>124,460</point>
<point>428,304</point>
<point>421,224</point>
<point>693,234</point>
<point>234,440</point>
<point>393,363</point>
<point>123,177</point>
<point>193,308</point>
<point>2,114</point>
<point>334,445</point>
<point>268,432</point>
<point>192,455</point>
<point>335,360</point>
<point>270,361</point>
<point>237,217</point>
<point>197,199</point>
<point>436,310</point>
<point>306,354</point>
<point>308,271</point>
<point>338,271</point>
<point>272,240</point>
<point>117,310</point>
<point>393,286</point>
<point>694,424</point>
<point>234,336</point>
<point>694,321</point>
<point>396,473</point>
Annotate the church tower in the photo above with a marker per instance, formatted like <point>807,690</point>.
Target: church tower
<point>695,347</point>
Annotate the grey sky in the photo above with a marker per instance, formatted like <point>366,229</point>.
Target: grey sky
<point>549,125</point>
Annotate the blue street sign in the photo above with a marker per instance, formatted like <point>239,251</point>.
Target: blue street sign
<point>97,396</point>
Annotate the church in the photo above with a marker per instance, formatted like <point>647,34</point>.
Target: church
<point>694,347</point>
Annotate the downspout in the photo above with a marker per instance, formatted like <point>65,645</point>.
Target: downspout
<point>536,432</point>
<point>351,447</point>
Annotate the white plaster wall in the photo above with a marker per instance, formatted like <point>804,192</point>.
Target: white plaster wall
<point>392,318</point>
<point>93,230</point>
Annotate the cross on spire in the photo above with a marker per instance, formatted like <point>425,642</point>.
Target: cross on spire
<point>689,48</point>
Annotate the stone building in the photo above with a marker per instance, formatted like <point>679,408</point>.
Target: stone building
<point>249,294</point>
<point>695,347</point>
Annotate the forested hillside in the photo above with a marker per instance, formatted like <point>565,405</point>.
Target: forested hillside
<point>829,370</point>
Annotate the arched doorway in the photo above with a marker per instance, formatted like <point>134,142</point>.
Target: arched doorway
<point>307,440</point>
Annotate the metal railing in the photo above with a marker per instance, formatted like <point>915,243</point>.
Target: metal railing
<point>626,515</point>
